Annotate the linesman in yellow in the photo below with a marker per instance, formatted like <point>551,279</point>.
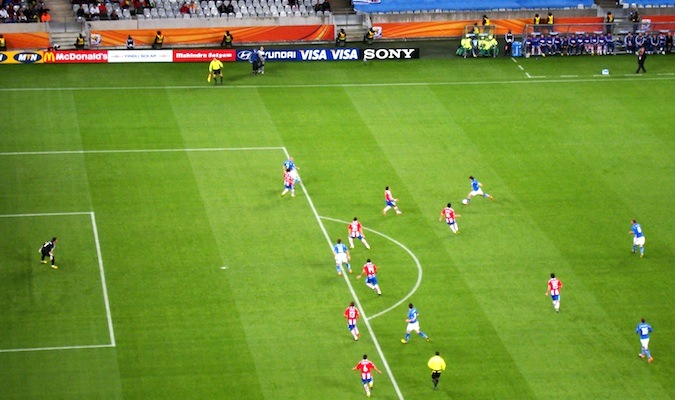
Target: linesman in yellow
<point>159,41</point>
<point>437,365</point>
<point>215,70</point>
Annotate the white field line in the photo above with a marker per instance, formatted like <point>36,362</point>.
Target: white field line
<point>113,151</point>
<point>351,290</point>
<point>665,77</point>
<point>407,250</point>
<point>104,287</point>
<point>93,346</point>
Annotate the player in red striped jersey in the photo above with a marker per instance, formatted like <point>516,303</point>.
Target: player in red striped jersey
<point>352,315</point>
<point>554,286</point>
<point>365,367</point>
<point>449,214</point>
<point>355,230</point>
<point>289,183</point>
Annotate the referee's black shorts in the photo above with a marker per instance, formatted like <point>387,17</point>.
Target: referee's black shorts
<point>435,374</point>
<point>216,72</point>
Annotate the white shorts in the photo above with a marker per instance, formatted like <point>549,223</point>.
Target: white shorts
<point>294,175</point>
<point>639,241</point>
<point>478,192</point>
<point>341,258</point>
<point>413,326</point>
<point>645,343</point>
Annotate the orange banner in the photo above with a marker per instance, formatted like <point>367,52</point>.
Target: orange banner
<point>215,35</point>
<point>31,40</point>
<point>400,30</point>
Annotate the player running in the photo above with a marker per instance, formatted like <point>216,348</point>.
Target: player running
<point>390,202</point>
<point>413,325</point>
<point>644,329</point>
<point>341,253</point>
<point>365,367</point>
<point>289,183</point>
<point>554,286</point>
<point>476,190</point>
<point>638,237</point>
<point>370,271</point>
<point>352,315</point>
<point>355,230</point>
<point>449,214</point>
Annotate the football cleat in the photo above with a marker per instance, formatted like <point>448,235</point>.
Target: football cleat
<point>404,341</point>
<point>428,339</point>
<point>43,262</point>
<point>650,360</point>
<point>55,267</point>
<point>641,355</point>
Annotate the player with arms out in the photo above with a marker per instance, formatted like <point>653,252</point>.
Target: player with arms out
<point>644,329</point>
<point>366,367</point>
<point>355,230</point>
<point>352,315</point>
<point>370,271</point>
<point>290,164</point>
<point>47,250</point>
<point>289,184</point>
<point>638,237</point>
<point>450,218</point>
<point>476,190</point>
<point>341,253</point>
<point>554,286</point>
<point>413,325</point>
<point>390,202</point>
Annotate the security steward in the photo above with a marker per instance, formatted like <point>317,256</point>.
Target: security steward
<point>437,365</point>
<point>79,42</point>
<point>369,36</point>
<point>159,41</point>
<point>227,40</point>
<point>341,39</point>
<point>3,43</point>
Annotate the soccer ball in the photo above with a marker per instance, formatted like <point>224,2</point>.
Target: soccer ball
<point>465,202</point>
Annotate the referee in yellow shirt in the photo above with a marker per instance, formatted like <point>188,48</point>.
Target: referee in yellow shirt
<point>216,69</point>
<point>437,365</point>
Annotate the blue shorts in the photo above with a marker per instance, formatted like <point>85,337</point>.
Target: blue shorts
<point>390,203</point>
<point>288,187</point>
<point>351,327</point>
<point>372,280</point>
<point>555,297</point>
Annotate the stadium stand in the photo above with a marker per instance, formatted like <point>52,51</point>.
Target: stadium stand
<point>653,3</point>
<point>402,6</point>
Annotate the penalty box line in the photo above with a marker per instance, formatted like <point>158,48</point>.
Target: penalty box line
<point>104,285</point>
<point>380,352</point>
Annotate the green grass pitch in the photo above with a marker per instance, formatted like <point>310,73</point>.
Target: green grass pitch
<point>218,288</point>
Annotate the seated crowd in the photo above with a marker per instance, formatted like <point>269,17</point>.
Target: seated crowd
<point>596,43</point>
<point>162,9</point>
<point>18,11</point>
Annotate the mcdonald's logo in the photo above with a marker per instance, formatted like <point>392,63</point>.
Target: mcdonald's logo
<point>49,57</point>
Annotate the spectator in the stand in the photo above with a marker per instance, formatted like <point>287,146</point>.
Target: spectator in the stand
<point>130,43</point>
<point>21,16</point>
<point>341,39</point>
<point>125,4</point>
<point>550,22</point>
<point>102,11</point>
<point>486,23</point>
<point>114,16</point>
<point>293,4</point>
<point>184,9</point>
<point>79,42</point>
<point>325,6</point>
<point>509,43</point>
<point>4,15</point>
<point>159,41</point>
<point>536,21</point>
<point>45,17</point>
<point>609,22</point>
<point>222,8</point>
<point>629,43</point>
<point>138,7</point>
<point>634,17</point>
<point>3,43</point>
<point>229,8</point>
<point>94,12</point>
<point>227,40</point>
<point>193,7</point>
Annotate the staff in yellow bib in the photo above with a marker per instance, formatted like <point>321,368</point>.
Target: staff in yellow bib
<point>215,70</point>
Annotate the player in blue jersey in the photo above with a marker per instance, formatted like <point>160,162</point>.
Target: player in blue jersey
<point>644,329</point>
<point>341,253</point>
<point>290,165</point>
<point>638,237</point>
<point>413,325</point>
<point>476,190</point>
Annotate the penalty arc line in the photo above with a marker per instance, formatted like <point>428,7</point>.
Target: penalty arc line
<point>407,250</point>
<point>351,290</point>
